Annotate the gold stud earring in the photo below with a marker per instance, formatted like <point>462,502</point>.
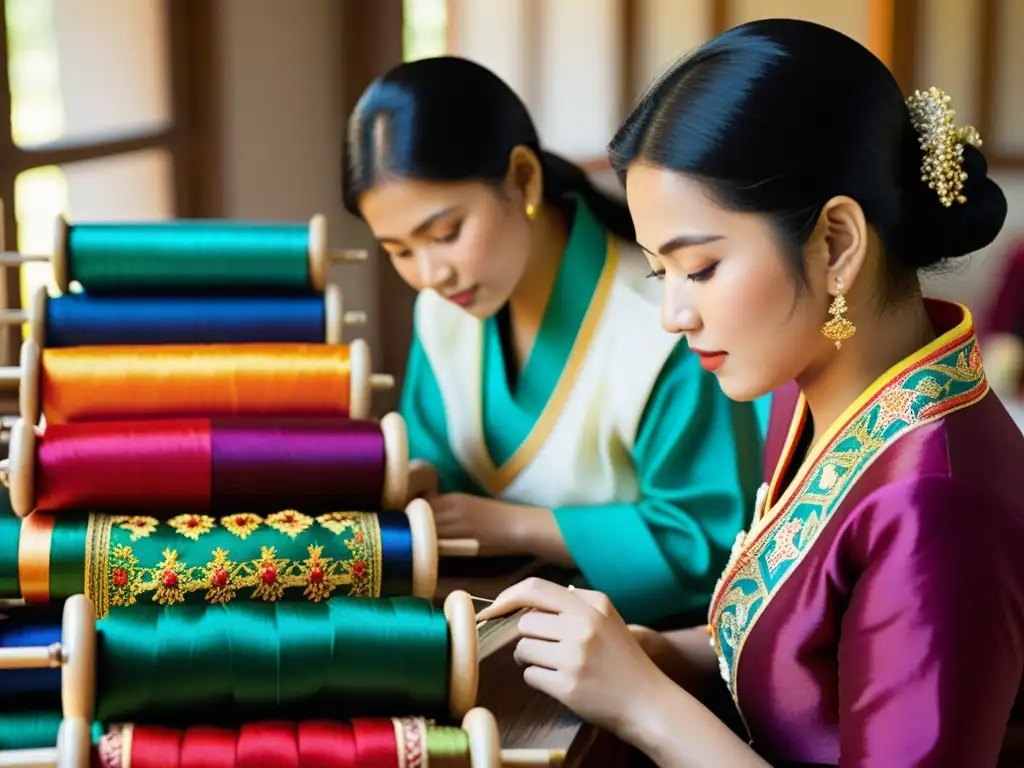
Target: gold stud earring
<point>838,329</point>
<point>531,211</point>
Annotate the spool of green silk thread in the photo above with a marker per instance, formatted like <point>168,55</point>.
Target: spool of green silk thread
<point>28,730</point>
<point>190,255</point>
<point>239,662</point>
<point>448,743</point>
<point>10,531</point>
<point>34,730</point>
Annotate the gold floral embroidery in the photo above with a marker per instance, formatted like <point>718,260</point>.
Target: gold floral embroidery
<point>338,522</point>
<point>896,405</point>
<point>267,577</point>
<point>289,522</point>
<point>320,572</point>
<point>192,526</point>
<point>138,526</point>
<point>358,566</point>
<point>269,568</point>
<point>218,574</point>
<point>241,524</point>
<point>125,577</point>
<point>167,577</point>
<point>784,546</point>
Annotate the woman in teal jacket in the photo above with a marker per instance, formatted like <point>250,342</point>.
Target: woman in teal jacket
<point>549,416</point>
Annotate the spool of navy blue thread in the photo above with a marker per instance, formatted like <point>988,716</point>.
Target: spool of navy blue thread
<point>21,630</point>
<point>83,320</point>
<point>396,553</point>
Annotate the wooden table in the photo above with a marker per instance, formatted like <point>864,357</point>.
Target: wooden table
<point>527,718</point>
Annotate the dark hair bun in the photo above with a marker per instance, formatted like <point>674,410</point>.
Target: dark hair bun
<point>756,115</point>
<point>939,233</point>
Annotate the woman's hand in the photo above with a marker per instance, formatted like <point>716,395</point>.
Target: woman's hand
<point>490,522</point>
<point>577,649</point>
<point>500,528</point>
<point>422,480</point>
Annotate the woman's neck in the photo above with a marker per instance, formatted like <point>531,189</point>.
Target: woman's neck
<point>881,342</point>
<point>529,301</point>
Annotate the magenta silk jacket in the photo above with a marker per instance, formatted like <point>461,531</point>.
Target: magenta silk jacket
<point>874,614</point>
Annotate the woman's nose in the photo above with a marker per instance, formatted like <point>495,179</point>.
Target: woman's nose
<point>433,272</point>
<point>677,315</point>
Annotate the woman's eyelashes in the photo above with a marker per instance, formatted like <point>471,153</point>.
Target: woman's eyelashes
<point>451,235</point>
<point>704,274</point>
<point>697,277</point>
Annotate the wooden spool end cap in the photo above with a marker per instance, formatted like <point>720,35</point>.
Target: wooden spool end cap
<point>30,376</point>
<point>360,373</point>
<point>37,316</point>
<point>424,548</point>
<point>74,743</point>
<point>21,468</point>
<point>464,665</point>
<point>484,739</point>
<point>317,252</point>
<point>396,461</point>
<point>334,314</point>
<point>78,638</point>
<point>59,261</point>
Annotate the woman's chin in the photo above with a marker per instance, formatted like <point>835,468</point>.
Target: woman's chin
<point>484,307</point>
<point>742,389</point>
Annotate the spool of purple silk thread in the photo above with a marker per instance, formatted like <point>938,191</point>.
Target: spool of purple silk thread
<point>316,462</point>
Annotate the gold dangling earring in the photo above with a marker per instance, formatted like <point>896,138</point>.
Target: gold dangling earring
<point>531,211</point>
<point>839,328</point>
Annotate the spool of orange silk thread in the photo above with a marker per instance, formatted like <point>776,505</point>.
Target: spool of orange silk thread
<point>189,381</point>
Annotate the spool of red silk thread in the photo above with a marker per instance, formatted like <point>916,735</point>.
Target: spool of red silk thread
<point>360,744</point>
<point>198,465</point>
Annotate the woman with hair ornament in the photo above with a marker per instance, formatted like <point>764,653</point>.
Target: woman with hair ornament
<point>541,427</point>
<point>872,616</point>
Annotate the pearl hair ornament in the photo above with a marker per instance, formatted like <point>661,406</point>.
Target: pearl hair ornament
<point>942,143</point>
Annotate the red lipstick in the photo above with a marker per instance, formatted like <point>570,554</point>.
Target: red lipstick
<point>463,298</point>
<point>710,361</point>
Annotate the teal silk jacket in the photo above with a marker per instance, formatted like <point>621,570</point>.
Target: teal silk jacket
<point>695,459</point>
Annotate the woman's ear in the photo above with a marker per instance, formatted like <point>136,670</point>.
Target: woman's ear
<point>840,243</point>
<point>525,178</point>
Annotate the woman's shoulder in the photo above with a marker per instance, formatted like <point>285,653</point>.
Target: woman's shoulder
<point>962,463</point>
<point>948,474</point>
<point>939,509</point>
